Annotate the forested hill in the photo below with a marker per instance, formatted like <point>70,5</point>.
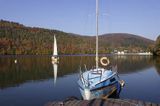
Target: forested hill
<point>16,38</point>
<point>123,40</point>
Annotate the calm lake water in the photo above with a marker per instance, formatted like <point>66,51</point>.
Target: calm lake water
<point>32,80</point>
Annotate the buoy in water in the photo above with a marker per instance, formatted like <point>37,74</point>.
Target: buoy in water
<point>15,61</point>
<point>122,83</point>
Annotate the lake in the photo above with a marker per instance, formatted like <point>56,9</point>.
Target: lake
<point>33,81</point>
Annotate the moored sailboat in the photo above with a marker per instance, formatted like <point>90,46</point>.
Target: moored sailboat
<point>97,78</point>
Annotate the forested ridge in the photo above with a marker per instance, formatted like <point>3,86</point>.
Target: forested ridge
<point>16,38</point>
<point>156,50</point>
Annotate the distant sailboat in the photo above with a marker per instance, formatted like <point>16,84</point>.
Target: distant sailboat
<point>55,53</point>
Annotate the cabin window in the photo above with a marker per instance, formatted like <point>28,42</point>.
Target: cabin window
<point>113,79</point>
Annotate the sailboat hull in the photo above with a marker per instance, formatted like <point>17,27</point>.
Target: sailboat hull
<point>54,59</point>
<point>104,92</point>
<point>94,81</point>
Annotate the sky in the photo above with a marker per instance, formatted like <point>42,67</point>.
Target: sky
<point>140,17</point>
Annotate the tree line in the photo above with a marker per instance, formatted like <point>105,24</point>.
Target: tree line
<point>16,38</point>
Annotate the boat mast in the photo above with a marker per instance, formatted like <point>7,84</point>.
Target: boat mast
<point>97,13</point>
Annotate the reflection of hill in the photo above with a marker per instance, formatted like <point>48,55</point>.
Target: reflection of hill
<point>36,68</point>
<point>157,64</point>
<point>129,64</point>
<point>40,67</point>
<point>27,68</point>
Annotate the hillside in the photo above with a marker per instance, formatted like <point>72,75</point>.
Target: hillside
<point>156,50</point>
<point>16,38</point>
<point>123,41</point>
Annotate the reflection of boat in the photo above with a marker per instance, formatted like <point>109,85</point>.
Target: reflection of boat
<point>97,78</point>
<point>55,67</point>
<point>15,61</point>
<point>55,53</point>
<point>105,92</point>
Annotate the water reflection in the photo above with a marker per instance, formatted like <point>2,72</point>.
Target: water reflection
<point>55,68</point>
<point>27,68</point>
<point>157,64</point>
<point>132,64</point>
<point>31,68</point>
<point>32,79</point>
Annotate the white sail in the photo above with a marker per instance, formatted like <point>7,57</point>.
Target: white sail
<point>55,53</point>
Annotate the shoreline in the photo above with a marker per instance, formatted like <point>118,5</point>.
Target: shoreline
<point>61,55</point>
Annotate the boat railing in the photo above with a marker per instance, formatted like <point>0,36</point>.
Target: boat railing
<point>114,68</point>
<point>99,72</point>
<point>86,82</point>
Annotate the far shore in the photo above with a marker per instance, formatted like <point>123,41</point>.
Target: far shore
<point>61,55</point>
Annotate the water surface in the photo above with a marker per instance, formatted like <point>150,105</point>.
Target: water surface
<point>31,81</point>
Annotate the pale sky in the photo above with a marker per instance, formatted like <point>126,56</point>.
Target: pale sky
<point>141,17</point>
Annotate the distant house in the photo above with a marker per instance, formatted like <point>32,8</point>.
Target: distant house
<point>115,51</point>
<point>120,52</point>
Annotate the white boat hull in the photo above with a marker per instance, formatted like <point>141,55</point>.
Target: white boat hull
<point>105,92</point>
<point>94,79</point>
<point>54,59</point>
